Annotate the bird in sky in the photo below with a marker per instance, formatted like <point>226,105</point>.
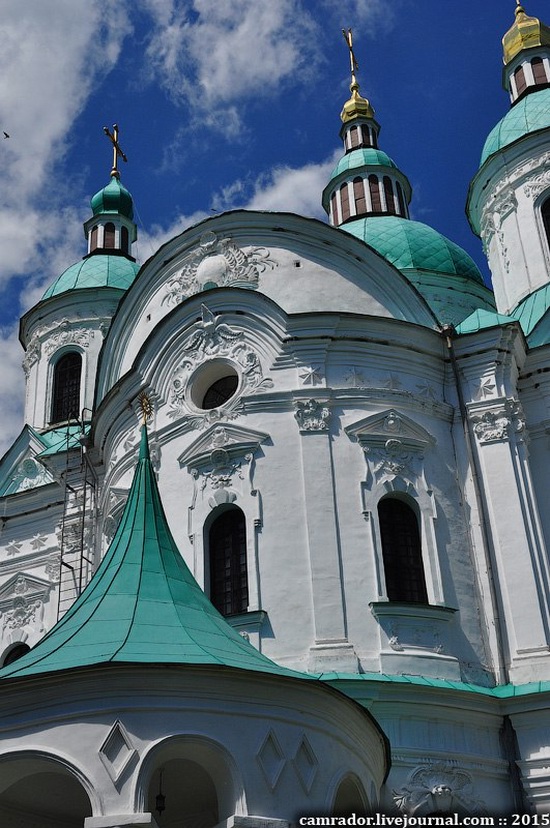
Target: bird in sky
<point>5,134</point>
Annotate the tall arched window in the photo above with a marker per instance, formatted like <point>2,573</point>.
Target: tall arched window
<point>375,194</point>
<point>545,212</point>
<point>521,83</point>
<point>109,235</point>
<point>124,241</point>
<point>359,196</point>
<point>388,191</point>
<point>401,552</point>
<point>334,208</point>
<point>66,388</point>
<point>539,72</point>
<point>228,566</point>
<point>354,135</point>
<point>344,201</point>
<point>93,238</point>
<point>401,200</point>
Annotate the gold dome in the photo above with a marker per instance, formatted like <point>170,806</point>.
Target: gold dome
<point>526,33</point>
<point>356,106</point>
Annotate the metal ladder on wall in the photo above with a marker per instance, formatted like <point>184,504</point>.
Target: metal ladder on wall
<point>75,568</point>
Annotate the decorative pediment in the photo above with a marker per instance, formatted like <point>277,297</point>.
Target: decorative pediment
<point>377,430</point>
<point>23,586</point>
<point>21,470</point>
<point>221,443</point>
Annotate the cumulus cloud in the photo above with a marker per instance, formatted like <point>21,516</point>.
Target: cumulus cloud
<point>12,388</point>
<point>214,53</point>
<point>52,56</point>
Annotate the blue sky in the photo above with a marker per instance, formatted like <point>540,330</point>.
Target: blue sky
<point>223,104</point>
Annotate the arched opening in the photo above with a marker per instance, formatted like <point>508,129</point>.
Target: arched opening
<point>376,201</point>
<point>354,135</point>
<point>344,200</point>
<point>124,239</point>
<point>539,72</point>
<point>228,571</point>
<point>401,200</point>
<point>519,77</point>
<point>93,238</point>
<point>182,794</point>
<point>334,208</point>
<point>401,551</point>
<point>17,651</point>
<point>36,791</point>
<point>109,235</point>
<point>359,196</point>
<point>388,192</point>
<point>545,212</point>
<point>349,798</point>
<point>66,388</point>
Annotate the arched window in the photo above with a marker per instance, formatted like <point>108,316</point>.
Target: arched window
<point>388,191</point>
<point>93,238</point>
<point>109,235</point>
<point>545,211</point>
<point>375,194</point>
<point>521,83</point>
<point>401,200</point>
<point>124,243</point>
<point>401,552</point>
<point>66,388</point>
<point>539,72</point>
<point>334,208</point>
<point>344,200</point>
<point>17,651</point>
<point>359,196</point>
<point>228,567</point>
<point>354,135</point>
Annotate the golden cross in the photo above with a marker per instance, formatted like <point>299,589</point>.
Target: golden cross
<point>117,152</point>
<point>353,60</point>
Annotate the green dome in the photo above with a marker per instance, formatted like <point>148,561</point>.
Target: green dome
<point>95,271</point>
<point>411,245</point>
<point>114,198</point>
<point>529,114</point>
<point>365,157</point>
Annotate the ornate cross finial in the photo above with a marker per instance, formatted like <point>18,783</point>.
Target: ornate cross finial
<point>146,407</point>
<point>117,152</point>
<point>348,37</point>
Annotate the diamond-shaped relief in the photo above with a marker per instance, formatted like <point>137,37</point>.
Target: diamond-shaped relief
<point>271,759</point>
<point>306,764</point>
<point>117,751</point>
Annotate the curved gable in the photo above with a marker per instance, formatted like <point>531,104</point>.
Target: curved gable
<point>302,265</point>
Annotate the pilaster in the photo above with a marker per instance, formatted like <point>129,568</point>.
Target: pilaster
<point>331,650</point>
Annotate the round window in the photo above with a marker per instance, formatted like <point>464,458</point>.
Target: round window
<point>213,385</point>
<point>220,391</point>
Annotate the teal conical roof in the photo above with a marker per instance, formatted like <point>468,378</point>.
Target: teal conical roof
<point>142,606</point>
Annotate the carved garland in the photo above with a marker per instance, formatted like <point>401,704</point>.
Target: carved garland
<point>212,338</point>
<point>217,263</point>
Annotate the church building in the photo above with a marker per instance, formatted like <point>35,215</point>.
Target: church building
<point>274,537</point>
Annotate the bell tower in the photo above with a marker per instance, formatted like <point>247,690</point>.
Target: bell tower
<point>509,198</point>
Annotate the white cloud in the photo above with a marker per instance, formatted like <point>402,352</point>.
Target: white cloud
<point>295,190</point>
<point>12,388</point>
<point>53,54</point>
<point>214,53</point>
<point>283,189</point>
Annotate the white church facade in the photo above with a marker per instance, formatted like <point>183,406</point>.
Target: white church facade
<point>317,580</point>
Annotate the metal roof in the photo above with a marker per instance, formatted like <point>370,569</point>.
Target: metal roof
<point>143,604</point>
